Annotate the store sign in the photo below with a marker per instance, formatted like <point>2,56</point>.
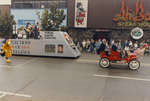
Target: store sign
<point>137,33</point>
<point>81,13</point>
<point>131,17</point>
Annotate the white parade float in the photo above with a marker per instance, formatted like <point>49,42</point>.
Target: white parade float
<point>52,43</point>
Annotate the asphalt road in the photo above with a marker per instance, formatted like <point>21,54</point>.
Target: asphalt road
<point>54,79</point>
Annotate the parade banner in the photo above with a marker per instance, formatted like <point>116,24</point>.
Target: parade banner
<point>81,13</point>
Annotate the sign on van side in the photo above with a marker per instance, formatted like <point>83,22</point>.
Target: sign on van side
<point>49,35</point>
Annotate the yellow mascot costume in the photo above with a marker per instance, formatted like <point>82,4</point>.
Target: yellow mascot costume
<point>6,50</point>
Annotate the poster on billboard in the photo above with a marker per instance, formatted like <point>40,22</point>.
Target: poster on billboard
<point>81,13</point>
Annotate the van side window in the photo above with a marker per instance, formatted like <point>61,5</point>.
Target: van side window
<point>50,48</point>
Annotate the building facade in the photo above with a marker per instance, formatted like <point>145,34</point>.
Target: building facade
<point>5,7</point>
<point>113,18</point>
<point>109,13</point>
<point>34,4</point>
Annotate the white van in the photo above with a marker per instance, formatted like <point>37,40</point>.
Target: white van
<point>53,43</point>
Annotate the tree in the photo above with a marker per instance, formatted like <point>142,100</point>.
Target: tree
<point>6,25</point>
<point>52,18</point>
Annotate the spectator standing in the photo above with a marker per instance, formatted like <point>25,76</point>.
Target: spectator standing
<point>122,44</point>
<point>97,46</point>
<point>135,45</point>
<point>88,42</point>
<point>147,51</point>
<point>142,44</point>
<point>28,30</point>
<point>102,46</point>
<point>119,45</point>
<point>130,44</point>
<point>79,46</point>
<point>36,31</point>
<point>126,43</point>
<point>92,46</point>
<point>84,45</point>
<point>114,46</point>
<point>111,42</point>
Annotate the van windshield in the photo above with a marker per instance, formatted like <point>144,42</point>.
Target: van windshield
<point>69,39</point>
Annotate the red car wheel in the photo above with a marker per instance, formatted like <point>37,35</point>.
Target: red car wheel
<point>134,64</point>
<point>104,62</point>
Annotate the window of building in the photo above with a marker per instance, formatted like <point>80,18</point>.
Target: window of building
<point>23,5</point>
<point>17,5</point>
<point>62,4</point>
<point>38,3</point>
<point>27,5</point>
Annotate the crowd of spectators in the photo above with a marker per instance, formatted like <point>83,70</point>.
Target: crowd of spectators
<point>93,46</point>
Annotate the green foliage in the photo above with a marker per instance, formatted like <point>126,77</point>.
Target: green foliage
<point>52,18</point>
<point>6,25</point>
<point>38,14</point>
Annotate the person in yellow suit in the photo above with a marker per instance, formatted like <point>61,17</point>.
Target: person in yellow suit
<point>6,50</point>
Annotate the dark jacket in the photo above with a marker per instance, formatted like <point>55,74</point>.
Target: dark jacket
<point>101,48</point>
<point>114,47</point>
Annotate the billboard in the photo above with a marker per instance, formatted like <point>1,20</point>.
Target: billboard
<point>114,13</point>
<point>5,2</point>
<point>81,10</point>
<point>22,16</point>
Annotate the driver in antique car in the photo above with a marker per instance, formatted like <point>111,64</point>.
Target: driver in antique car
<point>104,47</point>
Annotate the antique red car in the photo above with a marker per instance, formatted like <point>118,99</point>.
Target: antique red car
<point>106,58</point>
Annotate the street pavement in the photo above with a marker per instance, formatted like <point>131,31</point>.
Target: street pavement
<point>55,79</point>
